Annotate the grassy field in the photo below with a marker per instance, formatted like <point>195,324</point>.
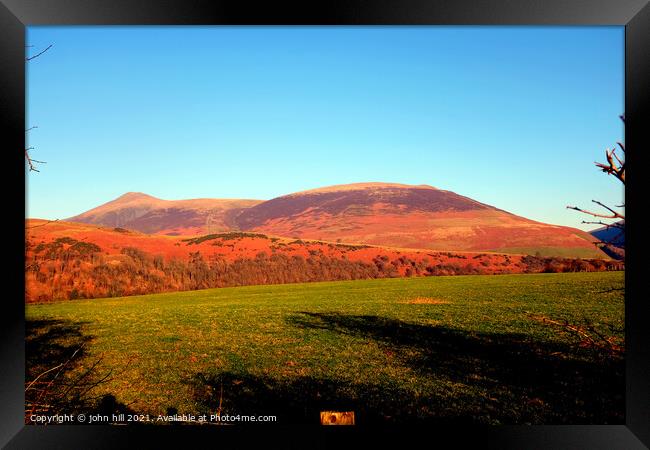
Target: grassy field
<point>462,349</point>
<point>554,251</point>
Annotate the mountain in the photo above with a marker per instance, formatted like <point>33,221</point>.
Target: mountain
<point>383,214</point>
<point>614,238</point>
<point>611,234</point>
<point>151,215</point>
<point>410,216</point>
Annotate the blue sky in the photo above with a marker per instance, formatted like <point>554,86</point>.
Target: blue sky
<point>510,116</point>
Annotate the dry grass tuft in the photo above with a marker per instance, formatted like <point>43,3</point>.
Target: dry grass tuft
<point>426,301</point>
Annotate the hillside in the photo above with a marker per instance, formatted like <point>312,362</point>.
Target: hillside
<point>71,260</point>
<point>421,216</point>
<point>382,214</point>
<point>151,215</point>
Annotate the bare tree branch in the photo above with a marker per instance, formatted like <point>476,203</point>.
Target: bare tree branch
<point>614,215</point>
<point>611,168</point>
<point>618,225</point>
<point>622,164</point>
<point>29,386</point>
<point>31,161</point>
<point>39,54</point>
<point>45,391</point>
<point>615,166</point>
<point>588,335</point>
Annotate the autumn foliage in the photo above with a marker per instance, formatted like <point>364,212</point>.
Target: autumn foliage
<point>59,268</point>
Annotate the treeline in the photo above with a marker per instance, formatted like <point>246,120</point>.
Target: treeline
<point>135,272</point>
<point>537,264</point>
<point>70,269</point>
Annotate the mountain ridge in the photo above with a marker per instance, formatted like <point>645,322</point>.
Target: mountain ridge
<point>152,215</point>
<point>373,213</point>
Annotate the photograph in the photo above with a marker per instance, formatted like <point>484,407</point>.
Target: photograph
<point>325,225</point>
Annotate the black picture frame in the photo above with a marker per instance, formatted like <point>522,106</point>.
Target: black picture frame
<point>15,15</point>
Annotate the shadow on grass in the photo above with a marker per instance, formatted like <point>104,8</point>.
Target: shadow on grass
<point>467,378</point>
<point>300,400</point>
<point>59,374</point>
<point>530,381</point>
<point>51,342</point>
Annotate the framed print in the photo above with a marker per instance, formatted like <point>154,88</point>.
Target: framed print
<point>359,218</point>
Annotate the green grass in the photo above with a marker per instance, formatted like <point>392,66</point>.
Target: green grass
<point>293,350</point>
<point>560,252</point>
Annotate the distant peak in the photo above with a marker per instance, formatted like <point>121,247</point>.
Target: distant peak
<point>133,196</point>
<point>365,186</point>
